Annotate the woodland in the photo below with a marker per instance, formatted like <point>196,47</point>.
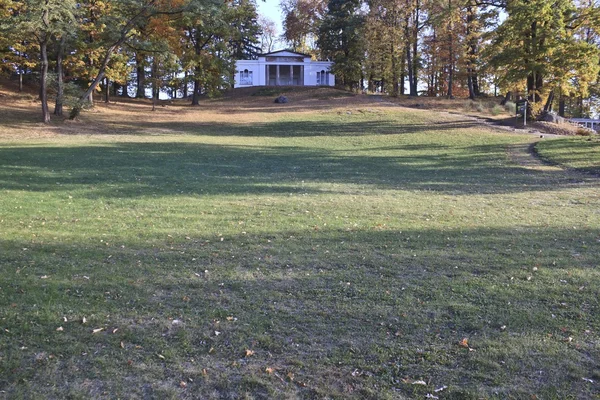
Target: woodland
<point>545,50</point>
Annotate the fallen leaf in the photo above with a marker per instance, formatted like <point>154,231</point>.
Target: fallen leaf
<point>419,383</point>
<point>440,389</point>
<point>217,333</point>
<point>44,277</point>
<point>97,330</point>
<point>588,380</point>
<point>115,330</point>
<point>83,320</point>
<point>60,329</point>
<point>182,384</point>
<point>161,356</point>
<point>122,345</point>
<point>464,343</point>
<point>270,370</point>
<point>249,352</point>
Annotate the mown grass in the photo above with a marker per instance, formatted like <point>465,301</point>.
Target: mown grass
<point>333,254</point>
<point>580,153</point>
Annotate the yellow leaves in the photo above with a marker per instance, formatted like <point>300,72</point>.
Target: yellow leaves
<point>249,353</point>
<point>465,343</point>
<point>269,370</point>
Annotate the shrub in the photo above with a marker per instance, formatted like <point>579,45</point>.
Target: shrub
<point>583,132</point>
<point>510,107</point>
<point>497,109</point>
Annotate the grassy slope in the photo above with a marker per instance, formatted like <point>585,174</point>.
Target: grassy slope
<point>349,247</point>
<point>580,153</point>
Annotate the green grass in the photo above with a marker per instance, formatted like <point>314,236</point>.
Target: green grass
<point>351,252</point>
<point>580,153</point>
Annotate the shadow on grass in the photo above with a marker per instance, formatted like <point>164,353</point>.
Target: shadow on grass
<point>344,127</point>
<point>376,303</point>
<point>145,169</point>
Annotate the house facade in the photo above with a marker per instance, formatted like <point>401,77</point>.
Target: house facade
<point>283,68</point>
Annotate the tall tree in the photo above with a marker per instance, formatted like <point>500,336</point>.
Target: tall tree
<point>536,46</point>
<point>341,40</point>
<point>41,21</point>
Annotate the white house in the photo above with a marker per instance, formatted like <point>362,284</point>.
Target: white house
<point>283,68</point>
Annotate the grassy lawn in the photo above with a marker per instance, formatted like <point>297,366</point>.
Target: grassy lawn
<point>248,251</point>
<point>580,153</point>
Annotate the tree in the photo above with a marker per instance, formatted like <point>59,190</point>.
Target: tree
<point>268,34</point>
<point>341,40</point>
<point>39,21</point>
<point>536,46</point>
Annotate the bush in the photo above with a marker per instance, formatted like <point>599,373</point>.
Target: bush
<point>583,132</point>
<point>510,107</point>
<point>497,109</point>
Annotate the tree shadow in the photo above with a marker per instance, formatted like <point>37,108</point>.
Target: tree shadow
<point>142,169</point>
<point>373,301</point>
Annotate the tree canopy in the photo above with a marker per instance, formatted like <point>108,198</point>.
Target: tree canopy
<point>547,50</point>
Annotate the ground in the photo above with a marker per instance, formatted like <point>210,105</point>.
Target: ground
<point>333,247</point>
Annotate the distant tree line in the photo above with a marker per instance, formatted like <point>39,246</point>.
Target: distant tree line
<point>547,50</point>
<point>125,47</point>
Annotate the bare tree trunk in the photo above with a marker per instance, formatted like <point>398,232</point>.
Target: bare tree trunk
<point>506,99</point>
<point>196,94</point>
<point>60,94</point>
<point>185,84</point>
<point>44,77</point>
<point>141,77</point>
<point>549,102</point>
<point>106,90</point>
<point>561,105</point>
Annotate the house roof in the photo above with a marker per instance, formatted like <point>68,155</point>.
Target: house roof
<point>284,51</point>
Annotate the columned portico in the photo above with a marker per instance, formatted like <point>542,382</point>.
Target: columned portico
<point>283,68</point>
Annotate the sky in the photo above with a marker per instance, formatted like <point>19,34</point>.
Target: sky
<point>270,9</point>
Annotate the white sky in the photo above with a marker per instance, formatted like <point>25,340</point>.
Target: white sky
<point>270,9</point>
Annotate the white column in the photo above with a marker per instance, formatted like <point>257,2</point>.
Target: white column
<point>277,79</point>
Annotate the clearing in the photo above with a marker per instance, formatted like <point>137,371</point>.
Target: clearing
<point>331,247</point>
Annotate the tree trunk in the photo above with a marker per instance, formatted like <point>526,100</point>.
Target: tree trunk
<point>185,84</point>
<point>20,79</point>
<point>415,52</point>
<point>561,106</point>
<point>60,93</point>
<point>106,90</point>
<point>394,72</point>
<point>44,77</point>
<point>196,94</point>
<point>549,102</point>
<point>141,77</point>
<point>451,56</point>
<point>472,79</point>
